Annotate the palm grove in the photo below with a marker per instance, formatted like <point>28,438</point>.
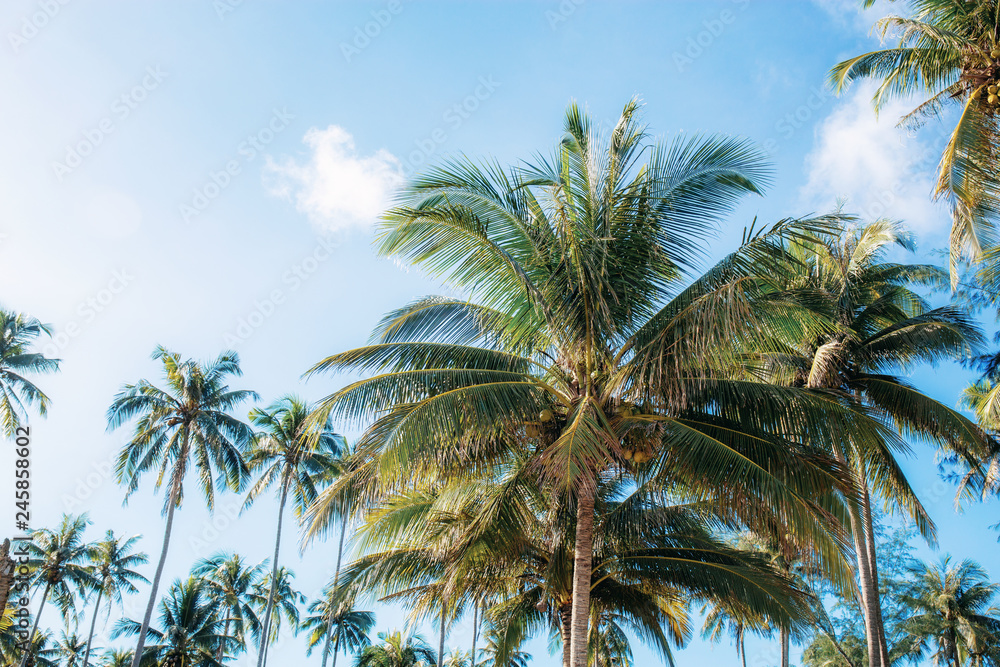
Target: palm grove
<point>604,438</point>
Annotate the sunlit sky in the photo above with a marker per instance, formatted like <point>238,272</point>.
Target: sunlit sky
<point>205,175</point>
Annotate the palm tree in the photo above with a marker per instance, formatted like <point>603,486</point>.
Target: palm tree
<point>722,618</point>
<point>333,619</point>
<point>190,629</point>
<point>232,587</point>
<point>458,658</point>
<point>113,560</point>
<point>951,610</point>
<point>948,52</point>
<point>117,658</point>
<point>580,346</point>
<point>70,649</point>
<point>17,334</point>
<point>498,656</point>
<point>882,328</point>
<point>284,601</point>
<point>189,423</point>
<point>285,451</point>
<point>60,562</point>
<point>512,544</point>
<point>394,650</point>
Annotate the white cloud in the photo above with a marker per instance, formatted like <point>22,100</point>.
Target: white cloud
<point>879,169</point>
<point>337,188</point>
<point>850,14</point>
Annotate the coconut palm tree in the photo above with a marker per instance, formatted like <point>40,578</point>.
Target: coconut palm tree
<point>70,649</point>
<point>948,53</point>
<point>722,619</point>
<point>286,452</point>
<point>334,620</point>
<point>284,602</point>
<point>394,650</point>
<point>458,658</point>
<point>498,656</point>
<point>883,328</point>
<point>60,561</point>
<point>190,629</point>
<point>951,610</point>
<point>512,544</point>
<point>585,343</point>
<point>187,424</point>
<point>117,658</point>
<point>113,560</point>
<point>232,587</point>
<point>18,333</point>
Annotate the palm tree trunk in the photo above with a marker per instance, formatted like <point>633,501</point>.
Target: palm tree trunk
<point>34,628</point>
<point>784,647</point>
<point>336,581</point>
<point>441,643</point>
<point>266,630</point>
<point>475,631</point>
<point>583,559</point>
<point>875,602</point>
<point>93,624</point>
<point>174,492</point>
<point>565,614</point>
<point>218,653</point>
<point>326,649</point>
<point>336,641</point>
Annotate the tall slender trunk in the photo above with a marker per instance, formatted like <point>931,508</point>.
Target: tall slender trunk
<point>222,645</point>
<point>266,630</point>
<point>34,628</point>
<point>336,582</point>
<point>784,646</point>
<point>93,624</point>
<point>876,600</point>
<point>953,639</point>
<point>475,630</point>
<point>743,654</point>
<point>174,492</point>
<point>326,648</point>
<point>441,643</point>
<point>583,559</point>
<point>565,614</point>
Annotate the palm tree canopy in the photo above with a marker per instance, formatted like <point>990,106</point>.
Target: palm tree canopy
<point>232,587</point>
<point>395,650</point>
<point>18,333</point>
<point>948,53</point>
<point>114,559</point>
<point>189,419</point>
<point>60,560</point>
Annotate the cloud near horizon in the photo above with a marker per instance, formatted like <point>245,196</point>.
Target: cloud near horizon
<point>335,187</point>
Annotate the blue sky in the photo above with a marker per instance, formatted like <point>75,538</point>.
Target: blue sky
<point>205,175</point>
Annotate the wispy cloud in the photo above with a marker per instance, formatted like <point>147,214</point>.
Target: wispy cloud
<point>335,187</point>
<point>879,169</point>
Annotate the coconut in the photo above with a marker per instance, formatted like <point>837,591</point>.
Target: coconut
<point>628,454</point>
<point>993,99</point>
<point>976,94</point>
<point>546,415</point>
<point>992,89</point>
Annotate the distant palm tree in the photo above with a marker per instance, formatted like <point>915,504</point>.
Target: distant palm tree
<point>284,603</point>
<point>189,629</point>
<point>187,424</point>
<point>394,650</point>
<point>287,451</point>
<point>458,658</point>
<point>60,560</point>
<point>951,610</point>
<point>117,658</point>
<point>113,561</point>
<point>17,393</point>
<point>948,52</point>
<point>232,585</point>
<point>333,619</point>
<point>498,655</point>
<point>723,618</point>
<point>70,649</point>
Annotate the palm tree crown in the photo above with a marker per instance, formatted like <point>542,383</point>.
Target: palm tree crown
<point>17,334</point>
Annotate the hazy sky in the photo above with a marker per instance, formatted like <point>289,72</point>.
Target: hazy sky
<point>204,175</point>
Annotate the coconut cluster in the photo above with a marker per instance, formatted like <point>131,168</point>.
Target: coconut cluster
<point>991,87</point>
